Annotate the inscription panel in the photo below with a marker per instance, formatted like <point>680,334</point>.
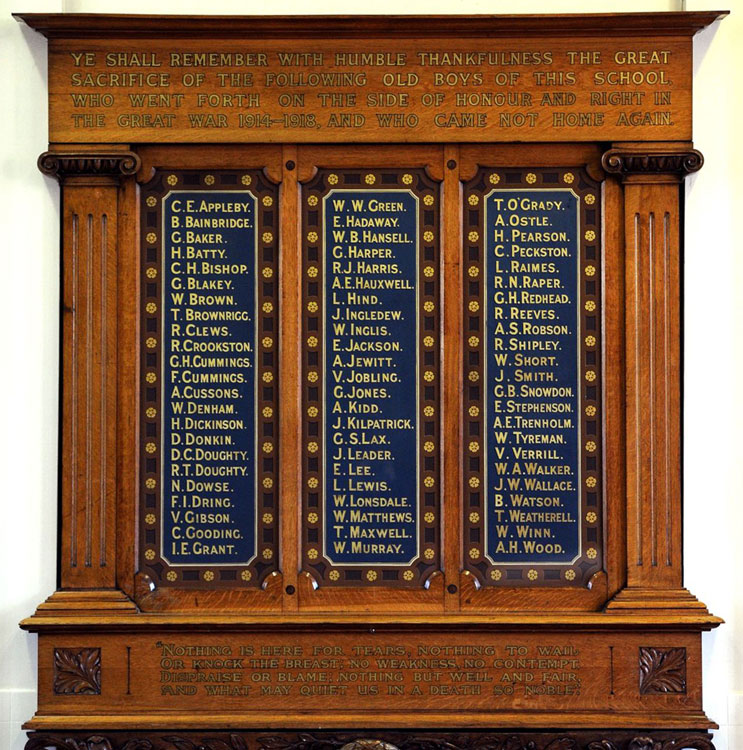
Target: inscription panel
<point>209,378</point>
<point>371,376</point>
<point>392,90</point>
<point>389,671</point>
<point>532,374</point>
<point>441,670</point>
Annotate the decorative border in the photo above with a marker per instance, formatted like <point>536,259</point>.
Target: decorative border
<point>427,191</point>
<point>265,562</point>
<point>566,739</point>
<point>473,364</point>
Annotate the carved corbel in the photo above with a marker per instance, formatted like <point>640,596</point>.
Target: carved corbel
<point>112,165</point>
<point>646,162</point>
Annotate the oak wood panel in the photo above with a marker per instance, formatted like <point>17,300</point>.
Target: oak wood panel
<point>97,622</point>
<point>331,599</point>
<point>210,156</point>
<point>422,719</point>
<point>595,673</point>
<point>651,176</point>
<point>270,89</point>
<point>452,392</point>
<point>474,597</point>
<point>290,364</point>
<point>640,363</point>
<point>436,161</point>
<point>614,388</point>
<point>127,374</point>
<point>148,597</point>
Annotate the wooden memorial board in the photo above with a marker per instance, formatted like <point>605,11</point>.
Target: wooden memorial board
<point>371,384</point>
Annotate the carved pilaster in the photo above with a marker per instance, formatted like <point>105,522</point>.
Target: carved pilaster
<point>651,182</point>
<point>88,456</point>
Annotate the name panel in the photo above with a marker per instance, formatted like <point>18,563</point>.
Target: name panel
<point>209,378</point>
<point>545,89</point>
<point>532,515</point>
<point>371,376</point>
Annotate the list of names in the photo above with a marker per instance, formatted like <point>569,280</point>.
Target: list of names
<point>370,321</point>
<point>209,389</point>
<point>532,430</point>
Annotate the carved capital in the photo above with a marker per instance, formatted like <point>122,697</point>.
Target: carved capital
<point>111,164</point>
<point>639,163</point>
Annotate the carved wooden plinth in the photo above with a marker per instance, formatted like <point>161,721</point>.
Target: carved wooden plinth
<point>372,740</point>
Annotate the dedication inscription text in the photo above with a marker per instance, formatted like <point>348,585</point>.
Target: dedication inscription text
<point>491,671</point>
<point>393,90</point>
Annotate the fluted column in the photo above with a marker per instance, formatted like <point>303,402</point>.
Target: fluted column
<point>652,181</point>
<point>88,454</point>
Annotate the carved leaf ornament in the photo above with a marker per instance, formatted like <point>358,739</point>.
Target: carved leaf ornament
<point>77,671</point>
<point>662,670</point>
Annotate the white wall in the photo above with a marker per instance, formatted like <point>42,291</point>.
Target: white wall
<point>713,469</point>
<point>29,242</point>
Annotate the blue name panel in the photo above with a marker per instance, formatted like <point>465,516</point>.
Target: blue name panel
<point>532,383</point>
<point>209,385</point>
<point>370,330</point>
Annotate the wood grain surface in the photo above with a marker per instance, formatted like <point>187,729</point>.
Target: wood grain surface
<point>208,90</point>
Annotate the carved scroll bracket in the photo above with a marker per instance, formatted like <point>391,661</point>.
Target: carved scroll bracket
<point>107,166</point>
<point>649,163</point>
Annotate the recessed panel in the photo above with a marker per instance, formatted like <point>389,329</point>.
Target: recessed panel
<point>371,377</point>
<point>209,378</point>
<point>532,377</point>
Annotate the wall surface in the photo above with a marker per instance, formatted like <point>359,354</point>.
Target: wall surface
<point>29,298</point>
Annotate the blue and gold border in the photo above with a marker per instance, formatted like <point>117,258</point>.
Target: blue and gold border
<point>474,353</point>
<point>428,440</point>
<point>153,370</point>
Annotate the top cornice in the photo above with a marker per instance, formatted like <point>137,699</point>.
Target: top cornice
<point>101,26</point>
